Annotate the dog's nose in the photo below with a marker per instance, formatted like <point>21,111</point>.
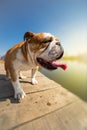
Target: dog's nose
<point>58,43</point>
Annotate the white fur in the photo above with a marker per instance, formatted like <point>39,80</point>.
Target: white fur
<point>19,55</point>
<point>19,93</point>
<point>20,63</point>
<point>34,81</point>
<point>52,44</point>
<point>48,35</point>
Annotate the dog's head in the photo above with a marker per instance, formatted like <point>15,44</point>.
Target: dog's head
<point>46,47</point>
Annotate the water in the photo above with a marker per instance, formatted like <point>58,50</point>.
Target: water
<point>74,78</point>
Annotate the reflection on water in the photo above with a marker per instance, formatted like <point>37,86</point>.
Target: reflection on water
<point>74,78</point>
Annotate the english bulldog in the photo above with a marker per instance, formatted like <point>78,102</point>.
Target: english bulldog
<point>37,49</point>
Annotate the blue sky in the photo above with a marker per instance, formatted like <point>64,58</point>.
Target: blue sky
<point>66,19</point>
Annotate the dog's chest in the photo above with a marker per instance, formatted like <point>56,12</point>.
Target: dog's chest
<point>20,63</point>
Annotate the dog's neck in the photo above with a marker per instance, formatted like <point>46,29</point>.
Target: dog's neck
<point>31,56</point>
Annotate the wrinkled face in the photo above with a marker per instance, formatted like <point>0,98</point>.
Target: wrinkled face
<point>46,46</point>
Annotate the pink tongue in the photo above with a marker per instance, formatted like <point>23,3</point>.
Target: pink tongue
<point>56,64</point>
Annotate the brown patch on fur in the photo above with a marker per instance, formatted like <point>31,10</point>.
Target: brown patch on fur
<point>11,56</point>
<point>39,42</point>
<point>24,50</point>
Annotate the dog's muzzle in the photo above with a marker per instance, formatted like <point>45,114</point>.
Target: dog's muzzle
<point>51,65</point>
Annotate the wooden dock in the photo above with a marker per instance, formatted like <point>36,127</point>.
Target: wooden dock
<point>47,106</point>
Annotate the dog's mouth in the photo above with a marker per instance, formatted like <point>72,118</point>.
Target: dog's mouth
<point>51,65</point>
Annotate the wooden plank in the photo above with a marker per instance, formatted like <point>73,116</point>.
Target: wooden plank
<point>70,117</point>
<point>47,106</point>
<point>33,106</point>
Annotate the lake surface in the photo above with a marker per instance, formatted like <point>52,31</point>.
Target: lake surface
<point>74,78</point>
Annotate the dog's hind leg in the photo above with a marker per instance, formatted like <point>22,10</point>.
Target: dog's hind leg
<point>7,75</point>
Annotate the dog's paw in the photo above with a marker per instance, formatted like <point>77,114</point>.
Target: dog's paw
<point>34,81</point>
<point>19,94</point>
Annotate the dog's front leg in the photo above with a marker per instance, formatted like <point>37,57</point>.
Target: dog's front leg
<point>19,93</point>
<point>33,75</point>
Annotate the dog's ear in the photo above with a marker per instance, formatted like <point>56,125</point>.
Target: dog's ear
<point>28,35</point>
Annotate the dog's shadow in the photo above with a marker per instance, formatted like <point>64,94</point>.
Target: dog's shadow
<point>6,89</point>
<point>27,82</point>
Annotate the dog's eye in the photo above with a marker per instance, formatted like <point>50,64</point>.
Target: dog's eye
<point>47,41</point>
